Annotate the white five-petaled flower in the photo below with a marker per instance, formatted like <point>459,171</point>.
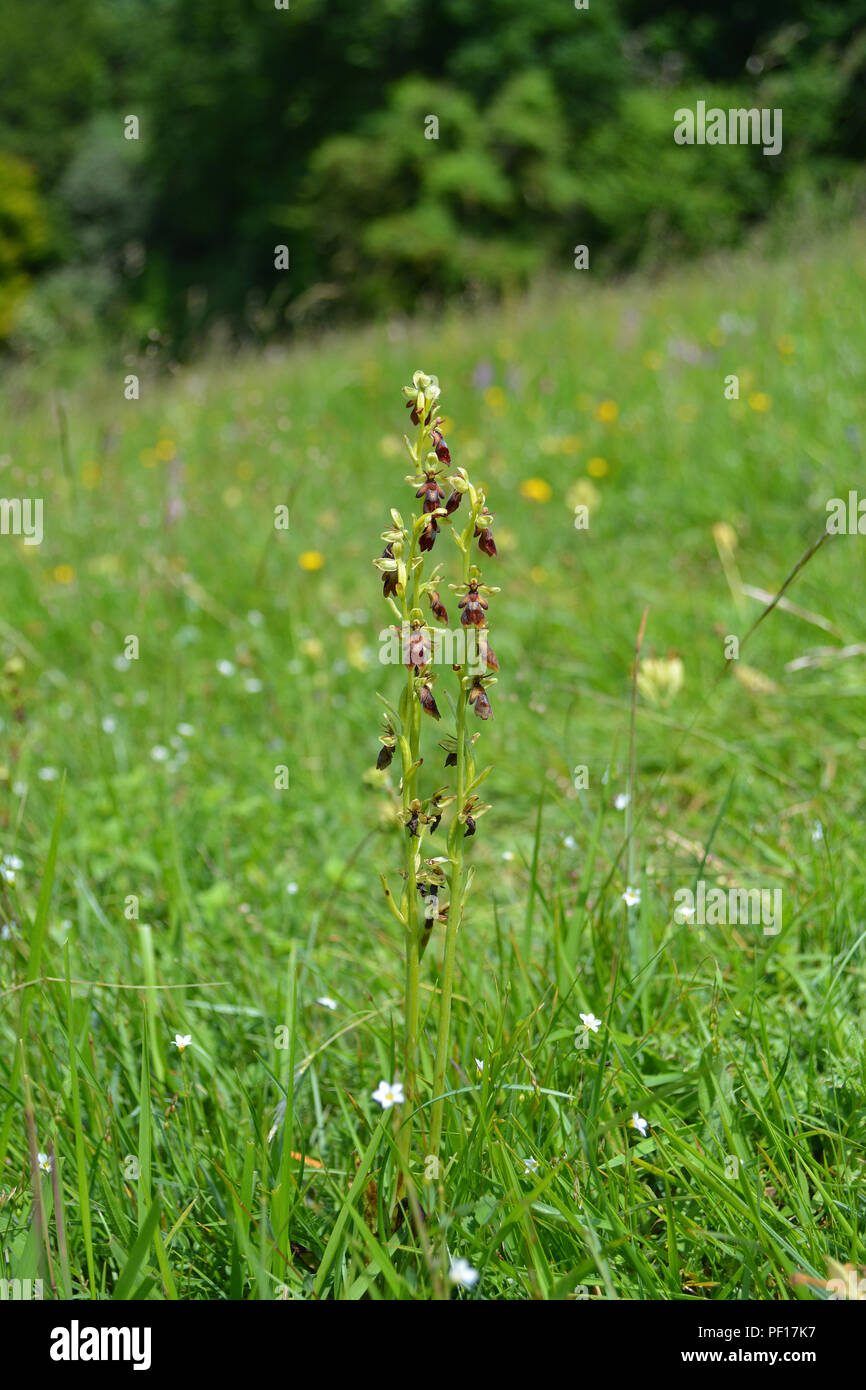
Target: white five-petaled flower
<point>9,864</point>
<point>462,1274</point>
<point>621,801</point>
<point>640,1124</point>
<point>389,1093</point>
<point>182,1041</point>
<point>479,1065</point>
<point>530,1165</point>
<point>591,1022</point>
<point>45,1163</point>
<point>327,1003</point>
<point>631,897</point>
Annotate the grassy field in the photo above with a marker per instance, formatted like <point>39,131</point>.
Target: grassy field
<point>157,882</point>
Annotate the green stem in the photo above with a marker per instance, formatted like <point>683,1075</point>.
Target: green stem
<point>412,1002</point>
<point>455,911</point>
<point>453,927</point>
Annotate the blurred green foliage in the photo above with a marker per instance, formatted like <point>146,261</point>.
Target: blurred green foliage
<point>305,127</point>
<point>23,235</point>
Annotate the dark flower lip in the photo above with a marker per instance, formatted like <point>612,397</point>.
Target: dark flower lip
<point>389,578</point>
<point>418,650</point>
<point>486,543</point>
<point>428,535</point>
<point>432,494</point>
<point>478,699</point>
<point>438,607</point>
<point>415,417</point>
<point>428,704</point>
<point>385,756</point>
<point>472,617</point>
<point>470,827</point>
<point>453,502</point>
<point>443,453</point>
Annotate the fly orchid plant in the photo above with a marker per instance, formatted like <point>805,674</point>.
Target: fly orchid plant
<point>434,870</point>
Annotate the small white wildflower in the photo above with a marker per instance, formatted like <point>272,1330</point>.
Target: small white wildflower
<point>530,1165</point>
<point>640,1124</point>
<point>120,663</point>
<point>182,1041</point>
<point>621,801</point>
<point>226,668</point>
<point>591,1022</point>
<point>292,888</point>
<point>13,862</point>
<point>631,897</point>
<point>462,1274</point>
<point>6,931</point>
<point>817,831</point>
<point>389,1093</point>
<point>45,1163</point>
<point>684,914</point>
<point>569,842</point>
<point>109,724</point>
<point>327,1003</point>
<point>255,618</point>
<point>253,685</point>
<point>479,1065</point>
<point>186,730</point>
<point>507,855</point>
<point>48,774</point>
<point>159,753</point>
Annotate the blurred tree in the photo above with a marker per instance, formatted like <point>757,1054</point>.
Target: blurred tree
<point>24,236</point>
<point>304,127</point>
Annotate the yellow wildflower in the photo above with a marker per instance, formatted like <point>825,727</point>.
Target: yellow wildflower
<point>536,490</point>
<point>311,560</point>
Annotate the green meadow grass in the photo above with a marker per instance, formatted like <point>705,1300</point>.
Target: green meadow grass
<point>150,790</point>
